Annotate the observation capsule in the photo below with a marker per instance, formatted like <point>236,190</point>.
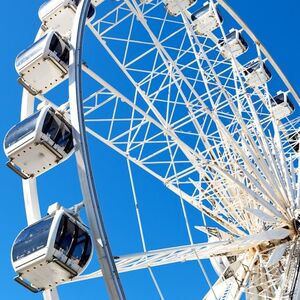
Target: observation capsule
<point>257,73</point>
<point>205,20</point>
<point>44,64</point>
<point>38,143</point>
<point>235,45</point>
<point>53,250</point>
<point>281,105</point>
<point>174,7</point>
<point>59,15</point>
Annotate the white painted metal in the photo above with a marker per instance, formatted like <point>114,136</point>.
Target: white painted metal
<point>205,20</point>
<point>234,45</point>
<point>39,59</point>
<point>40,268</point>
<point>261,46</point>
<point>194,124</point>
<point>36,153</point>
<point>193,252</point>
<point>59,15</point>
<point>239,163</point>
<point>256,74</point>
<point>281,106</point>
<point>101,244</point>
<point>30,193</point>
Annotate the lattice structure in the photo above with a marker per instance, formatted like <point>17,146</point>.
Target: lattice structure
<point>197,113</point>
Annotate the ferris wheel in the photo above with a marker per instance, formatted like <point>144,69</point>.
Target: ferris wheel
<point>184,91</point>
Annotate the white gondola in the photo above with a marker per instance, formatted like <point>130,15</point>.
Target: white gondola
<point>235,44</point>
<point>205,20</point>
<point>281,105</point>
<point>51,251</point>
<point>59,15</point>
<point>175,7</point>
<point>38,143</point>
<point>257,73</point>
<point>44,64</point>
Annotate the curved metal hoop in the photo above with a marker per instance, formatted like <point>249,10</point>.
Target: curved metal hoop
<point>31,201</point>
<point>88,188</point>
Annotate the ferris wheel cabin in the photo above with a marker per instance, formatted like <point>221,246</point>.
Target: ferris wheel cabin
<point>281,105</point>
<point>234,44</point>
<point>205,20</point>
<point>44,64</point>
<point>38,143</point>
<point>257,73</point>
<point>59,15</point>
<point>53,250</point>
<point>175,7</point>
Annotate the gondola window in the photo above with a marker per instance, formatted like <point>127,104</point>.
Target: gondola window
<point>32,239</point>
<point>21,130</point>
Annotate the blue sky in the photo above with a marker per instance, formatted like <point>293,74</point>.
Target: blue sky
<point>275,24</point>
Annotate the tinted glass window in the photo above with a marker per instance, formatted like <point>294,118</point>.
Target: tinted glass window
<point>79,246</point>
<point>277,99</point>
<point>65,56</point>
<point>20,130</point>
<point>87,251</point>
<point>32,239</point>
<point>267,70</point>
<point>230,37</point>
<point>63,136</point>
<point>58,137</point>
<point>50,126</point>
<point>70,145</point>
<point>55,45</point>
<point>65,235</point>
<point>253,66</point>
<point>243,41</point>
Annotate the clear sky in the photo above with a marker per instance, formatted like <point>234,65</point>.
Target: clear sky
<point>276,23</point>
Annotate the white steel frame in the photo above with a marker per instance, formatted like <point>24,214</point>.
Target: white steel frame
<point>91,203</point>
<point>244,157</point>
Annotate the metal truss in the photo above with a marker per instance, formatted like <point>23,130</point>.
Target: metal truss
<point>232,247</point>
<point>189,118</point>
<point>186,114</point>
